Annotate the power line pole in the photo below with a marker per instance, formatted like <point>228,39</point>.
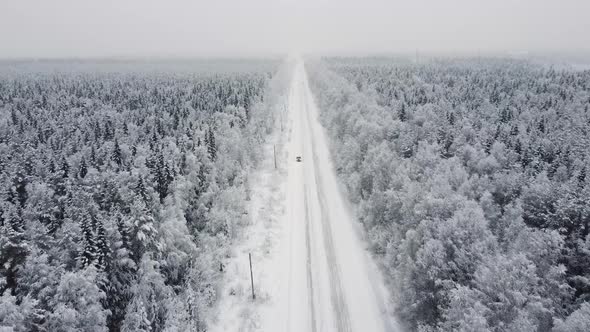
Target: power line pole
<point>251,276</point>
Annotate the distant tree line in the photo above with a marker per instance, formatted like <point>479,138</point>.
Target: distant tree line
<point>471,177</point>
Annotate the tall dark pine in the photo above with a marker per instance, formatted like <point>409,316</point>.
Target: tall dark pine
<point>402,113</point>
<point>211,146</point>
<point>141,191</point>
<point>14,247</point>
<point>83,168</point>
<point>163,176</point>
<point>65,168</point>
<point>117,155</point>
<point>541,126</point>
<point>93,156</point>
<point>88,253</point>
<point>202,177</point>
<point>102,247</point>
<point>452,118</point>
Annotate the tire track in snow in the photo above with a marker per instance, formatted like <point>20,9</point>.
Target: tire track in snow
<point>308,263</point>
<point>338,299</point>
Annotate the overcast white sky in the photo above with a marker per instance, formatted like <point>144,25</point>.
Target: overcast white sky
<point>79,28</point>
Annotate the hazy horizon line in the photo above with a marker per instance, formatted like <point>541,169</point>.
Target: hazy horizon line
<point>582,53</point>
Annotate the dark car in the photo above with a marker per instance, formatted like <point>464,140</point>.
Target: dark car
<point>298,159</point>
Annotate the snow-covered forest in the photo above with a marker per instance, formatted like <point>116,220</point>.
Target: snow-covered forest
<point>125,189</point>
<point>470,177</point>
<point>122,187</point>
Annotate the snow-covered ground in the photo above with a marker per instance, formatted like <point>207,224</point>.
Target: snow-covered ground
<point>236,310</point>
<point>312,271</point>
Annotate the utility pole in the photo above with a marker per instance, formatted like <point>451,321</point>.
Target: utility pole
<point>251,277</point>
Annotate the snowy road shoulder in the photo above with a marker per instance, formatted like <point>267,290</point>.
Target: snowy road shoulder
<point>235,309</point>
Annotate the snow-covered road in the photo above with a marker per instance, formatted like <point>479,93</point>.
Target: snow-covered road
<point>312,271</point>
<point>328,281</point>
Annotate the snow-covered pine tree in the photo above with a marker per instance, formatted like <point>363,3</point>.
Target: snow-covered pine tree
<point>117,155</point>
<point>14,246</point>
<point>211,145</point>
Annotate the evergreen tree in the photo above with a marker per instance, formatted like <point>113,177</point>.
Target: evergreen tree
<point>83,169</point>
<point>211,145</point>
<point>141,191</point>
<point>402,113</point>
<point>162,177</point>
<point>65,168</point>
<point>102,255</point>
<point>14,246</point>
<point>582,178</point>
<point>120,275</point>
<point>93,161</point>
<point>117,156</point>
<point>452,118</point>
<point>89,249</point>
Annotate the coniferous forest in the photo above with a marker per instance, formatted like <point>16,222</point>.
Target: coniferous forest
<point>471,179</point>
<point>123,185</point>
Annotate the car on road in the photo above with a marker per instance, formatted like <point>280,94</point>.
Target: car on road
<point>298,159</point>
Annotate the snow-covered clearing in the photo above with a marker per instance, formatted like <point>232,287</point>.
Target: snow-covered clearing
<point>312,271</point>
